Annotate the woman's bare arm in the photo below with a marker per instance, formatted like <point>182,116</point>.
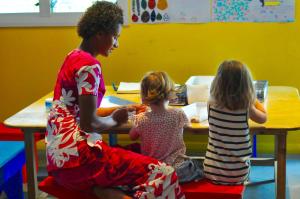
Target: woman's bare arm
<point>90,122</point>
<point>133,134</point>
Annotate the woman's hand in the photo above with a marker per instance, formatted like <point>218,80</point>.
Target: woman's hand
<point>120,115</point>
<point>138,108</point>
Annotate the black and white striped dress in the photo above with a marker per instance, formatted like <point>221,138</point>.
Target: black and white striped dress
<point>229,147</point>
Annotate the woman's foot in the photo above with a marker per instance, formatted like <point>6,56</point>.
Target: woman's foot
<point>110,193</point>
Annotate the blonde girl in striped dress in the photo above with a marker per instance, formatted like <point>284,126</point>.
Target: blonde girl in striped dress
<point>231,104</point>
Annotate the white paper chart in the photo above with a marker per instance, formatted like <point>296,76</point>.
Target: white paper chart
<point>203,11</point>
<point>170,11</point>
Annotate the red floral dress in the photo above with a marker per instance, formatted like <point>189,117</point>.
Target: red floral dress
<point>79,160</point>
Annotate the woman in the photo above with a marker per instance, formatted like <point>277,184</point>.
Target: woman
<point>76,155</point>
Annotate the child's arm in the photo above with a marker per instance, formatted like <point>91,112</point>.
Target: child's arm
<point>90,122</point>
<point>133,134</point>
<point>184,121</point>
<point>257,112</point>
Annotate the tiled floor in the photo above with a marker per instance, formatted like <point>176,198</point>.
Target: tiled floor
<point>267,191</point>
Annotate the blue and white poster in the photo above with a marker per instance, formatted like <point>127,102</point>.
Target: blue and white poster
<point>253,10</point>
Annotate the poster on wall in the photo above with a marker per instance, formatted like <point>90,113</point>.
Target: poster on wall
<point>124,5</point>
<point>201,11</point>
<point>253,10</point>
<point>170,11</point>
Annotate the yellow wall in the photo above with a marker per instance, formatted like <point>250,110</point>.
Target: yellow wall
<point>31,57</point>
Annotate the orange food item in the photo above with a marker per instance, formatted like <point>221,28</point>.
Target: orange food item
<point>103,112</point>
<point>138,108</point>
<point>259,106</point>
<point>195,120</point>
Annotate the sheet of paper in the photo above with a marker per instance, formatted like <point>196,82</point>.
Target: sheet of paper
<point>197,111</point>
<point>129,87</point>
<point>124,5</point>
<point>189,11</point>
<point>112,101</point>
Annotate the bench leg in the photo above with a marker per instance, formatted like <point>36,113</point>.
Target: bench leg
<point>14,187</point>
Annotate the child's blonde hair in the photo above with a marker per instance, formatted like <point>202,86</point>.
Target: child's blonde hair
<point>156,87</point>
<point>232,88</point>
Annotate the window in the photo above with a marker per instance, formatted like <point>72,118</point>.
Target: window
<point>42,12</point>
<point>18,6</point>
<point>59,6</point>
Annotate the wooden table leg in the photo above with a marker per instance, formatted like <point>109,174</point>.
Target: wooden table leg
<point>113,139</point>
<point>280,153</point>
<point>30,163</point>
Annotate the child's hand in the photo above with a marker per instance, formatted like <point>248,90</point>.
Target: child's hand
<point>142,108</point>
<point>120,115</point>
<point>259,106</point>
<point>138,108</point>
<point>103,112</point>
<point>257,113</point>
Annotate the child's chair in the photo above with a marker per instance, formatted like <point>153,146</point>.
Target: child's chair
<point>15,134</point>
<point>12,159</point>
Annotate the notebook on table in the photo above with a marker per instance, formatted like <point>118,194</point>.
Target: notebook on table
<point>129,87</point>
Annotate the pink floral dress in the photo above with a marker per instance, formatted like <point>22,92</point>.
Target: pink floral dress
<point>80,160</point>
<point>161,134</point>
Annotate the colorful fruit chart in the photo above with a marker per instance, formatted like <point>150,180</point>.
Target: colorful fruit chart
<point>170,11</point>
<point>203,11</point>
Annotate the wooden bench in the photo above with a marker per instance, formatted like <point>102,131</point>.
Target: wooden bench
<point>12,159</point>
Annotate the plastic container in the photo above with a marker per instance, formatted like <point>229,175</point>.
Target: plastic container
<point>48,104</point>
<point>198,88</point>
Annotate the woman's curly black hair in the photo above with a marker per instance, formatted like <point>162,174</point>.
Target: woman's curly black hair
<point>102,16</point>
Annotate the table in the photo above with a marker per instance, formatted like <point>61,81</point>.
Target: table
<point>282,103</point>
